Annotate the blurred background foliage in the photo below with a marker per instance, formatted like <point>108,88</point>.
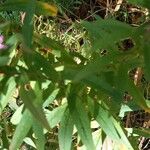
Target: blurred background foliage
<point>79,80</point>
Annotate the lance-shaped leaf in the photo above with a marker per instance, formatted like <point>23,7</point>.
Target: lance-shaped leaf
<point>137,96</point>
<point>123,83</point>
<point>80,117</point>
<point>27,28</point>
<point>65,131</point>
<point>21,130</point>
<point>110,125</point>
<point>39,135</point>
<point>32,103</point>
<point>9,87</point>
<point>55,116</point>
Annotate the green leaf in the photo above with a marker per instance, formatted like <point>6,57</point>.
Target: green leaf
<point>101,29</point>
<point>7,92</point>
<point>110,126</point>
<point>65,131</point>
<point>48,42</point>
<point>128,108</point>
<point>146,54</point>
<point>40,66</point>
<point>4,60</point>
<point>137,96</point>
<point>105,119</point>
<point>97,137</point>
<point>55,116</point>
<point>42,8</point>
<point>29,141</point>
<point>4,138</point>
<point>39,135</point>
<point>97,66</point>
<point>16,117</point>
<point>27,28</point>
<point>51,98</point>
<point>17,5</point>
<point>144,132</point>
<point>123,83</point>
<point>103,86</point>
<point>21,130</point>
<point>144,3</point>
<point>31,102</point>
<point>80,117</point>
<point>46,9</point>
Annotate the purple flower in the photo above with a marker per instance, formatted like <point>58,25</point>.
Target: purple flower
<point>2,46</point>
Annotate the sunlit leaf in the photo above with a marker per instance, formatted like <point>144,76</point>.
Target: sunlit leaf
<point>55,116</point>
<point>15,119</point>
<point>110,125</point>
<point>65,131</point>
<point>7,93</point>
<point>39,135</point>
<point>29,141</point>
<point>21,130</point>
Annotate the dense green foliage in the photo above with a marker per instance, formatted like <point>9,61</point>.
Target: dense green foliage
<point>66,90</point>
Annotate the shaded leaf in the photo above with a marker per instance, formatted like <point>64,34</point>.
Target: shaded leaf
<point>30,100</point>
<point>101,29</point>
<point>51,98</point>
<point>144,3</point>
<point>27,28</point>
<point>146,53</point>
<point>137,96</point>
<point>46,9</point>
<point>40,66</point>
<point>125,84</point>
<point>48,42</point>
<point>80,117</point>
<point>42,8</point>
<point>4,139</point>
<point>144,132</point>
